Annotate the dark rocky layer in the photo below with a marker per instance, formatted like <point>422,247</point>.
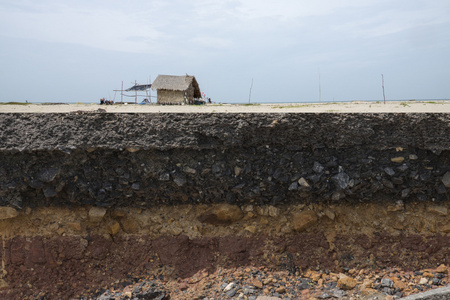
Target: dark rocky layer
<point>265,175</point>
<point>146,159</point>
<point>85,130</point>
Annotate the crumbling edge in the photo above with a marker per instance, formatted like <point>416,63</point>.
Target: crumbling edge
<point>436,294</point>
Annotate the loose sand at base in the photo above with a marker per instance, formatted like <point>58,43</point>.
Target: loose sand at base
<point>343,107</point>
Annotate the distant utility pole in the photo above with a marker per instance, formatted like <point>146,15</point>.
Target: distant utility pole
<point>250,94</point>
<point>382,86</point>
<point>135,92</point>
<point>320,89</point>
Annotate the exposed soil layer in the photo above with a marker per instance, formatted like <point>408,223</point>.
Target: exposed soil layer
<point>72,266</point>
<point>63,253</point>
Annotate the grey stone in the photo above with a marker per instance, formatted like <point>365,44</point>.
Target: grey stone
<point>164,176</point>
<point>388,184</point>
<point>108,186</point>
<point>446,180</point>
<point>36,184</point>
<point>366,161</point>
<point>49,191</point>
<point>425,176</point>
<point>216,168</point>
<point>341,180</point>
<point>436,281</point>
<point>339,294</point>
<point>385,282</point>
<point>441,189</point>
<point>405,193</point>
<point>389,171</point>
<point>293,186</point>
<point>336,196</point>
<point>48,175</point>
<point>231,293</point>
<point>318,168</point>
<point>179,180</point>
<point>403,168</point>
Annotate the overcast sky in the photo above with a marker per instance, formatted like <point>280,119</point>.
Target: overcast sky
<point>81,50</point>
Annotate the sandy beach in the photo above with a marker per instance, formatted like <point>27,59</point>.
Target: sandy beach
<point>341,107</point>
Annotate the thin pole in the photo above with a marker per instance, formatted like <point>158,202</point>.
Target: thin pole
<point>121,93</point>
<point>250,94</point>
<point>382,86</point>
<point>135,92</point>
<point>320,89</point>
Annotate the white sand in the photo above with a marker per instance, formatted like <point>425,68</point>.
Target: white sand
<point>343,107</point>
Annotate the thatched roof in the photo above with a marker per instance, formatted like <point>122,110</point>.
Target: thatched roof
<point>176,83</point>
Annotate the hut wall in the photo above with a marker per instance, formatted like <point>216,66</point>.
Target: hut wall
<point>190,92</point>
<point>170,97</point>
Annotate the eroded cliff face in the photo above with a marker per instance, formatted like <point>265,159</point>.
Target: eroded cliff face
<point>80,251</point>
<point>88,199</point>
<point>145,159</point>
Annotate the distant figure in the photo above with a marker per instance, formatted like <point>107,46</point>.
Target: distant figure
<point>209,100</point>
<point>102,101</point>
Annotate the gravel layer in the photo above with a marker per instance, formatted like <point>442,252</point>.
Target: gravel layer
<point>267,284</point>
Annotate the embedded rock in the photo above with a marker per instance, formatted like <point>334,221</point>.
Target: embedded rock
<point>96,214</point>
<point>446,180</point>
<point>438,209</point>
<point>8,213</point>
<point>222,214</point>
<point>346,283</point>
<point>303,220</point>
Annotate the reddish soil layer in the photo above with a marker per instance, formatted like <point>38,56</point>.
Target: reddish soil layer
<point>72,266</point>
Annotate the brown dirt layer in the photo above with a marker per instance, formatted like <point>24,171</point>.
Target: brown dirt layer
<point>72,266</point>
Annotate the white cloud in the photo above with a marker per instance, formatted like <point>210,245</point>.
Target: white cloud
<point>210,42</point>
<point>101,28</point>
<point>392,21</point>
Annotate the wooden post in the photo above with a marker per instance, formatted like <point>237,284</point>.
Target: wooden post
<point>320,89</point>
<point>250,94</point>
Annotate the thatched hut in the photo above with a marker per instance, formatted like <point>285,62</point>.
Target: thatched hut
<point>176,89</point>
